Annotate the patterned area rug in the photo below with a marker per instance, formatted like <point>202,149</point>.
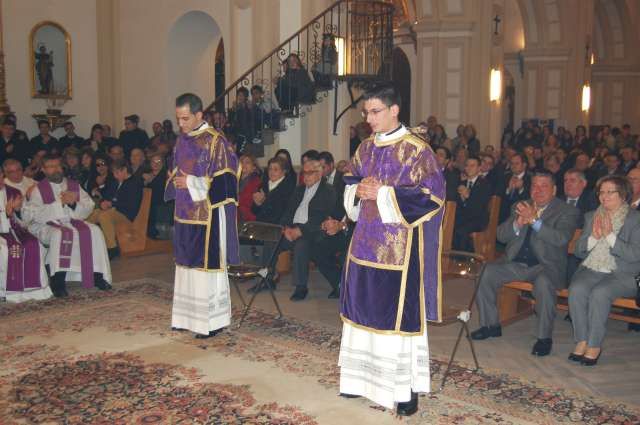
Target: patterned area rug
<point>110,358</point>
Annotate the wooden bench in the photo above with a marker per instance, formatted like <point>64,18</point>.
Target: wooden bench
<point>132,237</point>
<point>448,221</point>
<point>484,243</point>
<point>513,306</point>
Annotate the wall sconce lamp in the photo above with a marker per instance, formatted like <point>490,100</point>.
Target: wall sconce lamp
<point>495,85</point>
<point>342,55</point>
<point>586,98</point>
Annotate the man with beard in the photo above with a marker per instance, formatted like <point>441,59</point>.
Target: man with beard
<point>56,212</point>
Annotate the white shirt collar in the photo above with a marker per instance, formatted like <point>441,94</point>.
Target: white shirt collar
<point>273,185</point>
<point>521,175</point>
<point>393,134</point>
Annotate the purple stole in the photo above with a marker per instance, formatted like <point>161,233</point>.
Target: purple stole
<point>23,268</point>
<point>66,241</point>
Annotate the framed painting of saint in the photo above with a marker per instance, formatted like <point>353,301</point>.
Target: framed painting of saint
<point>50,52</point>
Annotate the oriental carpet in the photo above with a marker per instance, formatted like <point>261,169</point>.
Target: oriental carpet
<point>111,358</point>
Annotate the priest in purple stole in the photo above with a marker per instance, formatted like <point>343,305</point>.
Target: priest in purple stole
<point>76,250</point>
<point>22,273</point>
<point>391,282</point>
<point>203,182</point>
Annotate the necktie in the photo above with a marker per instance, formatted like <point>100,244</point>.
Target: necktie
<point>573,202</point>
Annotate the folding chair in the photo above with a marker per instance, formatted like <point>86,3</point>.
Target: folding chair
<point>464,265</point>
<point>258,232</point>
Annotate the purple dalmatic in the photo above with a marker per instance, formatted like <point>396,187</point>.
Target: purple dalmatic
<point>23,260</point>
<point>392,279</point>
<point>205,153</point>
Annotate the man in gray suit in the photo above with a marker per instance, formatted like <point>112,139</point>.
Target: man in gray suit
<point>536,234</point>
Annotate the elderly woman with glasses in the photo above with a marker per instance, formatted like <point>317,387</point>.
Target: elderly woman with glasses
<point>610,246</point>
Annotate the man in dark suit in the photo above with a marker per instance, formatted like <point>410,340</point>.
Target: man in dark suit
<point>71,138</point>
<point>472,214</point>
<point>516,185</point>
<point>576,194</point>
<point>490,172</point>
<point>310,204</point>
<point>451,174</point>
<point>611,166</point>
<point>536,234</point>
<point>45,141</point>
<point>120,204</point>
<point>132,136</point>
<point>333,178</point>
<point>628,154</point>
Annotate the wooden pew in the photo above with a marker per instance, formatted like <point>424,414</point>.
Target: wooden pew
<point>448,221</point>
<point>484,243</point>
<point>132,237</point>
<point>513,306</point>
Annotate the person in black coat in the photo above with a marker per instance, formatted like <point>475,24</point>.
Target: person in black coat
<point>335,179</point>
<point>472,214</point>
<point>295,86</point>
<point>71,138</point>
<point>121,207</point>
<point>132,136</point>
<point>270,201</point>
<point>309,206</point>
<point>451,174</point>
<point>160,212</point>
<point>515,186</point>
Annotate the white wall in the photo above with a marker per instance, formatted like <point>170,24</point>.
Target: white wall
<point>78,18</point>
<point>144,59</point>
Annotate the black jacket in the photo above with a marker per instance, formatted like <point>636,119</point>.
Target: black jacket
<point>473,213</point>
<point>275,203</point>
<point>126,199</point>
<point>338,187</point>
<point>320,208</point>
<point>586,202</point>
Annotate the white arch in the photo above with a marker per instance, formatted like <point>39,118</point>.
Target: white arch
<point>191,47</point>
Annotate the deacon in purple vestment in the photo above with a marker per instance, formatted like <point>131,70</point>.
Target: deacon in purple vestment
<point>204,183</point>
<point>391,282</point>
<point>22,273</point>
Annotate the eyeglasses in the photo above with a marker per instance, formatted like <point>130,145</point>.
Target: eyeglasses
<point>101,164</point>
<point>607,192</point>
<point>366,113</point>
<point>310,173</point>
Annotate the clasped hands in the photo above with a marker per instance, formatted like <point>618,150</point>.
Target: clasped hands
<point>602,226</point>
<point>68,197</point>
<point>292,233</point>
<point>13,204</point>
<point>526,213</point>
<point>368,188</point>
<point>180,180</point>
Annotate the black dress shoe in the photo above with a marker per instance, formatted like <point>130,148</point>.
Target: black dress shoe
<point>209,335</point>
<point>102,285</point>
<point>576,357</point>
<point>299,294</point>
<point>113,253</point>
<point>335,293</point>
<point>487,332</point>
<point>173,328</point>
<point>587,361</point>
<point>410,407</point>
<point>542,347</point>
<point>345,395</point>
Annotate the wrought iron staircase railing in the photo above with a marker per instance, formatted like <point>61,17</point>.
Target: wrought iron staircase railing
<point>351,41</point>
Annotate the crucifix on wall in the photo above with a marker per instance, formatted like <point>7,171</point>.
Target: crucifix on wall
<point>497,21</point>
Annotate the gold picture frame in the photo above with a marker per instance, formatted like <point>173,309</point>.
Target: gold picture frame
<point>50,75</point>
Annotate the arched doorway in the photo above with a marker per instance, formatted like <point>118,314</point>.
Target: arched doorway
<point>191,48</point>
<point>401,72</point>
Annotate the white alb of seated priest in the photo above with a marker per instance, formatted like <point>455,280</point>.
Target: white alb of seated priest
<point>22,273</point>
<point>56,212</point>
